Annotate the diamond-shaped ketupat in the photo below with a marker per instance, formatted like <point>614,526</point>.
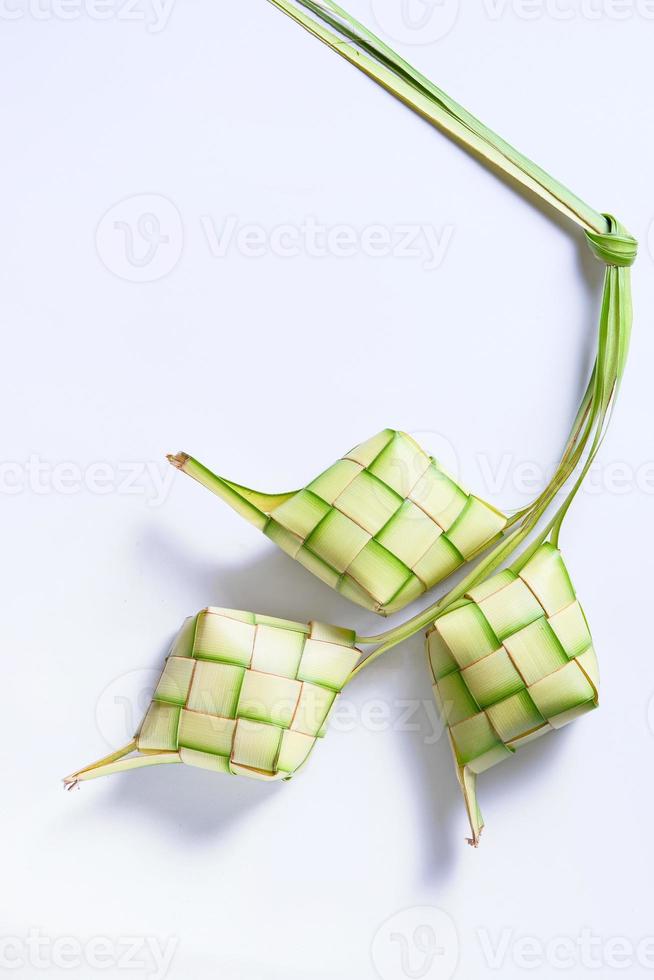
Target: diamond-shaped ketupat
<point>383,525</point>
<point>240,693</point>
<point>511,663</point>
<point>511,654</point>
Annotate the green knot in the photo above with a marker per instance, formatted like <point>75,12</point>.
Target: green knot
<point>614,247</point>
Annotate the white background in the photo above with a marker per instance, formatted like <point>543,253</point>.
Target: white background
<point>268,368</point>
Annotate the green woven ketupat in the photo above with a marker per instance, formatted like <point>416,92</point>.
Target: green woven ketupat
<point>513,661</point>
<point>382,525</point>
<point>511,652</point>
<point>240,693</point>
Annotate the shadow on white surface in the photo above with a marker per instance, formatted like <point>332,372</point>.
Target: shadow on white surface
<point>272,584</point>
<point>206,806</point>
<point>432,784</point>
<point>202,804</point>
<point>277,585</point>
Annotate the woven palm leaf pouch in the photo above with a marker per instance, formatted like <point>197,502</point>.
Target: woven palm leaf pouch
<point>382,525</point>
<point>510,663</point>
<point>242,694</point>
<point>508,646</point>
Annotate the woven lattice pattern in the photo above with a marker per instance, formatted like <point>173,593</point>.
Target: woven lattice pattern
<point>511,662</point>
<point>384,524</point>
<point>246,694</point>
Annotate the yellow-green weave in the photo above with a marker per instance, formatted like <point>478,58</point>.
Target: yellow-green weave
<point>382,525</point>
<point>513,661</point>
<point>247,694</point>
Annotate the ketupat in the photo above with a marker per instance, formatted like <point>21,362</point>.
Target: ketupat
<point>510,663</point>
<point>502,676</point>
<point>242,694</point>
<point>471,627</point>
<point>250,695</point>
<point>383,525</point>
